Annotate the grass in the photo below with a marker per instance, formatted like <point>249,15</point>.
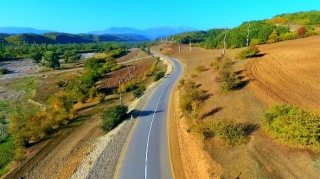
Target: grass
<point>26,84</point>
<point>6,155</point>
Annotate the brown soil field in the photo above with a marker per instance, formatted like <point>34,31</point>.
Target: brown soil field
<point>288,73</point>
<point>112,79</point>
<point>133,53</point>
<point>261,157</point>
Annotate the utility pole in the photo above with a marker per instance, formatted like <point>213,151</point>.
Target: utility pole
<point>224,41</point>
<point>190,44</point>
<point>248,34</point>
<point>120,91</point>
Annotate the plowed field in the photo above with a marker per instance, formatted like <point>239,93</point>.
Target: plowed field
<point>289,72</point>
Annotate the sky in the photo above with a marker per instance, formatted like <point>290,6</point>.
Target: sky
<point>81,16</point>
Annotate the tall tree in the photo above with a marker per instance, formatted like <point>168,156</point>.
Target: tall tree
<point>51,59</point>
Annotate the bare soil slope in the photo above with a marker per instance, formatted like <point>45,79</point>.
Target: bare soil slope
<point>289,72</point>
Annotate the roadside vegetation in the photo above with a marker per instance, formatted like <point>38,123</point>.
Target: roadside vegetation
<point>249,52</point>
<point>293,125</point>
<point>229,133</point>
<point>113,116</point>
<point>227,78</point>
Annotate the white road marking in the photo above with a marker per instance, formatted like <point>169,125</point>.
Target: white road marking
<point>154,113</point>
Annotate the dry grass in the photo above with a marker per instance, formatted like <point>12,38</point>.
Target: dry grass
<point>261,157</point>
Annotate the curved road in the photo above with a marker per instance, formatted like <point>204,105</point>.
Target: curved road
<point>146,153</point>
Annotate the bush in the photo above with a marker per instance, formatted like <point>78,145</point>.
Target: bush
<point>200,68</point>
<point>113,116</point>
<point>3,71</point>
<point>116,67</point>
<point>249,52</point>
<point>139,91</point>
<point>192,100</point>
<point>193,75</point>
<point>228,132</point>
<point>228,80</point>
<point>60,83</point>
<point>181,82</point>
<point>128,86</point>
<point>292,125</point>
<point>159,75</point>
<point>101,97</point>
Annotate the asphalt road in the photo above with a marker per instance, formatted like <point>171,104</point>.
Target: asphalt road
<point>145,154</point>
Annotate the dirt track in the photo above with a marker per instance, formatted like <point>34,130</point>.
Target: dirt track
<point>287,73</point>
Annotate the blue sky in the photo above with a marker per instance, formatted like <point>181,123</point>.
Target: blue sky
<point>75,16</point>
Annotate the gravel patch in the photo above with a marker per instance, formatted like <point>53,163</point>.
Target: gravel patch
<point>18,68</point>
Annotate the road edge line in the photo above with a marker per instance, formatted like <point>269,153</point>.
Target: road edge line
<point>131,133</point>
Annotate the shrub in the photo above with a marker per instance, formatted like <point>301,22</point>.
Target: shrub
<point>139,91</point>
<point>3,71</point>
<point>116,67</point>
<point>60,83</point>
<point>101,97</point>
<point>193,75</point>
<point>128,86</point>
<point>228,80</point>
<point>181,83</point>
<point>255,42</point>
<point>191,101</point>
<point>292,125</point>
<point>200,68</point>
<point>302,31</point>
<point>228,132</point>
<point>249,52</point>
<point>113,116</point>
<point>158,76</point>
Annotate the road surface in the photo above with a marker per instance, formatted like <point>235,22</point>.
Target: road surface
<point>145,154</point>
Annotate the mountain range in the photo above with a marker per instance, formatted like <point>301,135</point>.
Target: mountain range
<point>150,33</point>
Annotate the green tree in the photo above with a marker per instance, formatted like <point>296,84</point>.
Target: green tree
<point>113,116</point>
<point>36,57</point>
<point>273,37</point>
<point>51,59</point>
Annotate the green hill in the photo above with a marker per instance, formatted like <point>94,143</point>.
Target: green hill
<point>279,28</point>
<point>65,38</point>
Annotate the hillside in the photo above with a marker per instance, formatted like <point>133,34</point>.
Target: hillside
<point>65,38</point>
<point>280,28</point>
<point>286,74</point>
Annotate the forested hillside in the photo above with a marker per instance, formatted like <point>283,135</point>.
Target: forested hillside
<point>65,38</point>
<point>280,28</point>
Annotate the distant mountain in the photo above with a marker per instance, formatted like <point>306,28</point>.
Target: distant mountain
<point>119,30</point>
<point>22,30</point>
<point>151,33</point>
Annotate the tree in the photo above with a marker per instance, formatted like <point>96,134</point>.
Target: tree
<point>113,116</point>
<point>69,56</point>
<point>302,31</point>
<point>273,37</point>
<point>51,59</point>
<point>36,57</point>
